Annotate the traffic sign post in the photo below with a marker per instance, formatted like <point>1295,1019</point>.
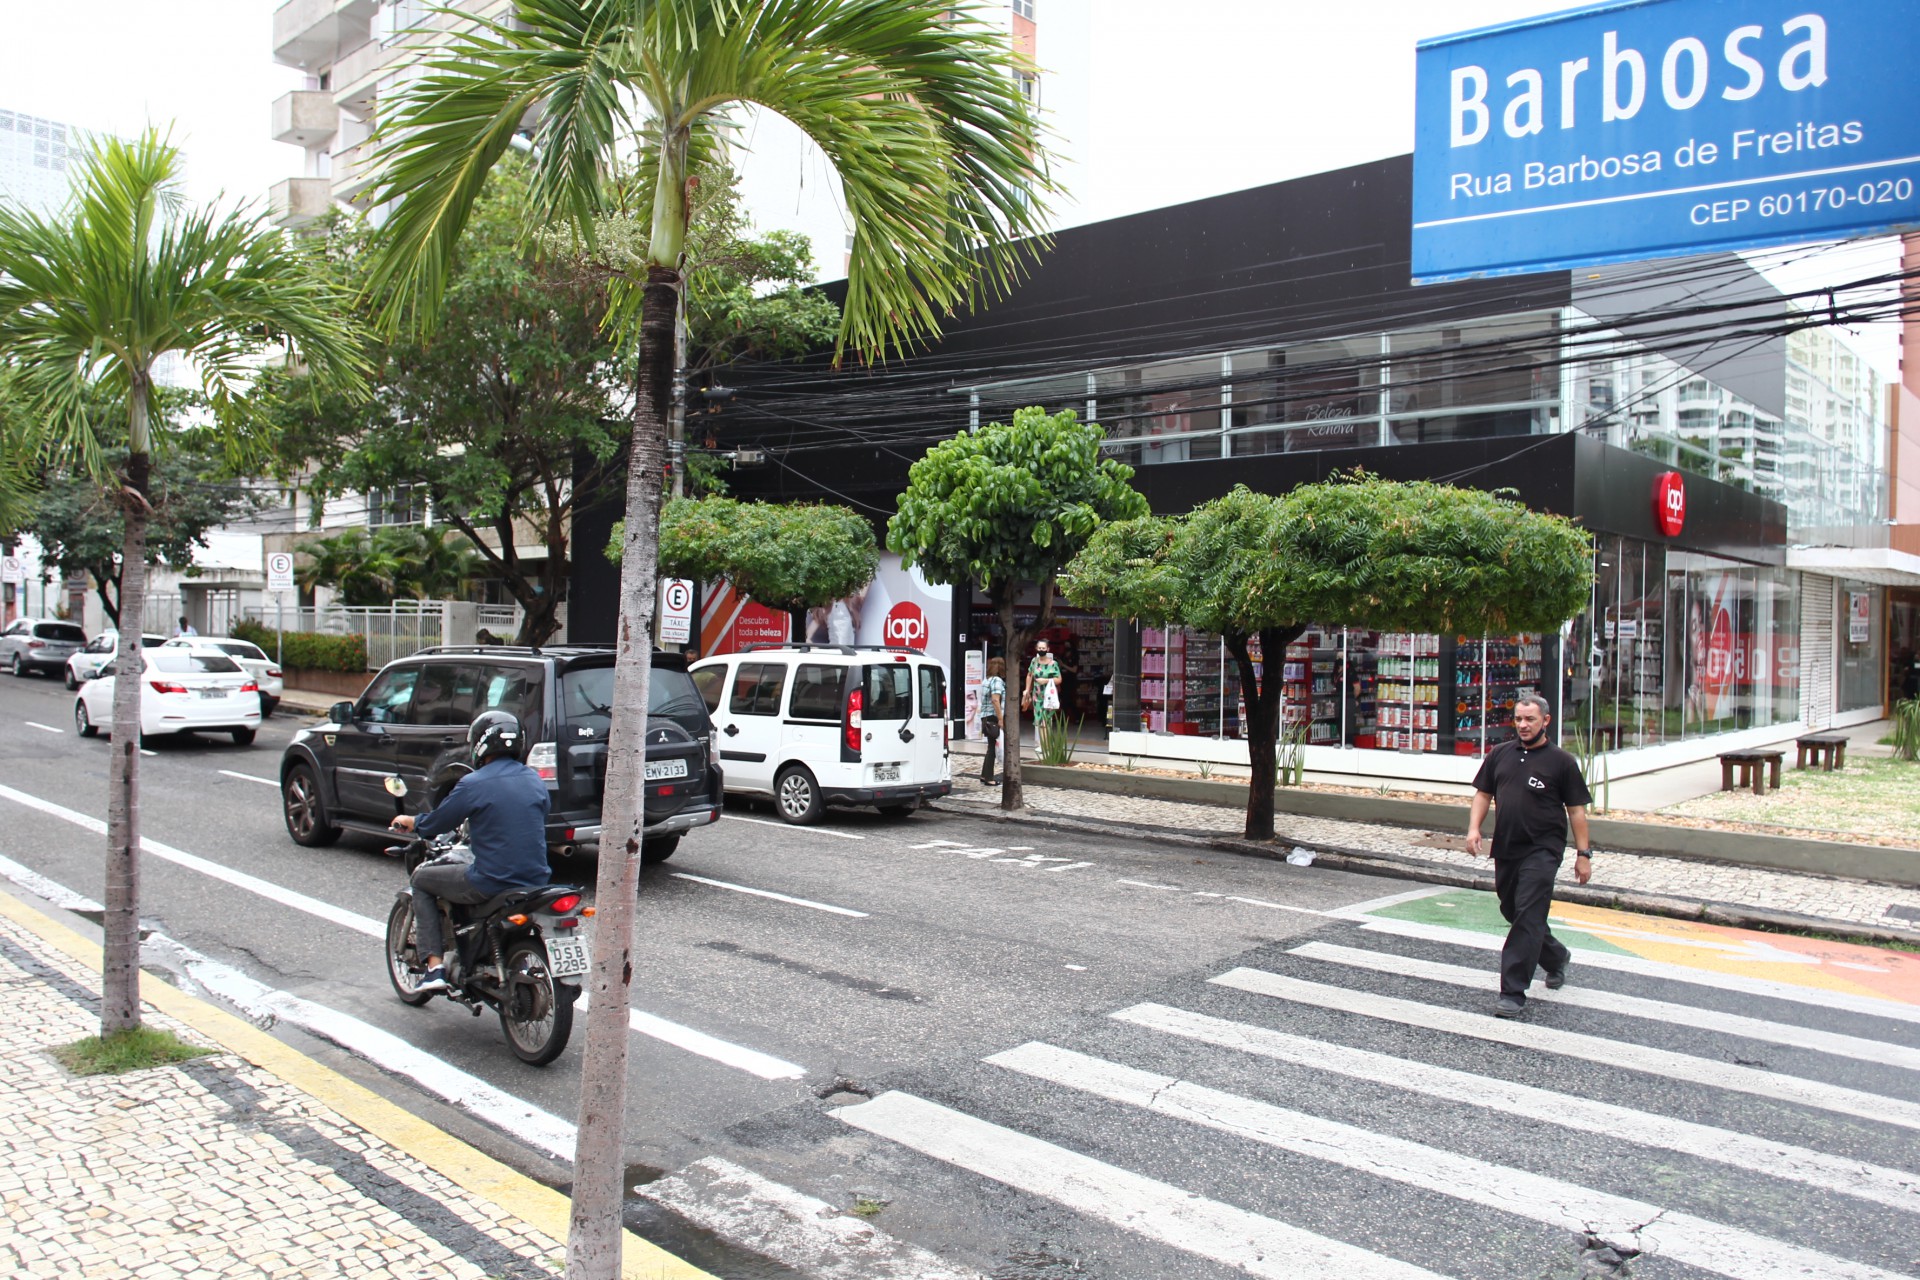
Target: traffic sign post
<point>279,581</point>
<point>676,611</point>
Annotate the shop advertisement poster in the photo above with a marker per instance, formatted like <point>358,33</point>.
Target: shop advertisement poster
<point>976,675</point>
<point>1859,617</point>
<point>1711,655</point>
<point>899,607</point>
<point>730,622</point>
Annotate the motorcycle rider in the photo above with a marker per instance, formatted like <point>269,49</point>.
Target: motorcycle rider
<point>504,804</point>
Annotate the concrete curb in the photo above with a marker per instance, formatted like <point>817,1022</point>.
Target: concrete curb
<point>1363,862</point>
<point>1875,863</point>
<point>541,1207</point>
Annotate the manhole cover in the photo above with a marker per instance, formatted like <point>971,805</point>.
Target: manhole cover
<point>1904,913</point>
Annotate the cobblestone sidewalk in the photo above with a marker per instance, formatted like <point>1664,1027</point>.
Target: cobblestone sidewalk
<point>1840,901</point>
<point>209,1169</point>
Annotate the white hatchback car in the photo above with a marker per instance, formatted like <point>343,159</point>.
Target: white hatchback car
<point>813,725</point>
<point>251,657</point>
<point>182,691</point>
<point>85,665</point>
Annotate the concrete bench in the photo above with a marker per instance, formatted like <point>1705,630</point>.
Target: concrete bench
<point>1754,767</point>
<point>1828,750</point>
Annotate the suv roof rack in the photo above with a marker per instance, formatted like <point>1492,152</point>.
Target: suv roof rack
<point>515,650</point>
<point>849,649</point>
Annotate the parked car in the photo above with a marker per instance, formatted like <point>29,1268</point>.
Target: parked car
<point>85,664</point>
<point>39,644</point>
<point>265,671</point>
<point>181,692</point>
<point>411,723</point>
<point>814,725</point>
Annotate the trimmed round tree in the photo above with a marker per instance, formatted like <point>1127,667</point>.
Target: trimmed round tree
<point>1007,506</point>
<point>1355,551</point>
<point>785,556</point>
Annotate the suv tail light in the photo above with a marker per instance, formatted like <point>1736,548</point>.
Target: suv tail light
<point>853,722</point>
<point>544,759</point>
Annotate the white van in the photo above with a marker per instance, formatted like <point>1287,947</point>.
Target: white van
<point>812,725</point>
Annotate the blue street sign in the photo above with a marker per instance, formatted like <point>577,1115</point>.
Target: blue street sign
<point>1654,128</point>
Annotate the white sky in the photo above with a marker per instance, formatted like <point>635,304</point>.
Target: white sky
<point>1180,101</point>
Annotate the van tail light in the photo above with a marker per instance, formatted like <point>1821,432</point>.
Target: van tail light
<point>167,686</point>
<point>544,759</point>
<point>853,722</point>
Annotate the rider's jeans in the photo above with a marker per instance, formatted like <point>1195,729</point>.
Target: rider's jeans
<point>445,881</point>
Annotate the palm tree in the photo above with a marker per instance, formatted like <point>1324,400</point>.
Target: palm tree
<point>90,300</point>
<point>918,107</point>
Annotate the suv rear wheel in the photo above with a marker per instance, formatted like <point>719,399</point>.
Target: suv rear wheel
<point>305,811</point>
<point>659,849</point>
<point>796,795</point>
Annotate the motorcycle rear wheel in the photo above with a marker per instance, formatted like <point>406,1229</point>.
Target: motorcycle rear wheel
<point>402,956</point>
<point>536,1012</point>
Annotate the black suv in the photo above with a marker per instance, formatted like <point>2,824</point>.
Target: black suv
<point>411,723</point>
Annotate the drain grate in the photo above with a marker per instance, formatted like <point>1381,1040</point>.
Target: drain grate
<point>1899,912</point>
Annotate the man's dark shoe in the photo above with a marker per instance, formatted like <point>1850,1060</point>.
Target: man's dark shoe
<point>1509,1007</point>
<point>1557,978</point>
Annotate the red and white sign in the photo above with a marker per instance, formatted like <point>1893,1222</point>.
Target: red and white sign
<point>905,625</point>
<point>1670,503</point>
<point>676,611</point>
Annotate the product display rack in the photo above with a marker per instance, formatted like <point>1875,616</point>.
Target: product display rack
<point>1310,688</point>
<point>1490,674</point>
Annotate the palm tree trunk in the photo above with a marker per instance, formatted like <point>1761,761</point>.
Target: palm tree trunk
<point>120,923</point>
<point>594,1237</point>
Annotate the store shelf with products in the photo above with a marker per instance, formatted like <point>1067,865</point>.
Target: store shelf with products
<point>1490,673</point>
<point>1410,679</point>
<point>1310,687</point>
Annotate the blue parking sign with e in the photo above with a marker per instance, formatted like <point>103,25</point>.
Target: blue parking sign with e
<point>1654,128</point>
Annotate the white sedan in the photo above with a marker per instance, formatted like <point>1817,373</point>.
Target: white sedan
<point>182,691</point>
<point>252,659</point>
<point>85,665</point>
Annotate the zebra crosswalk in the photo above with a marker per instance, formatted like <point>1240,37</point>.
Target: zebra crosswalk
<point>1343,1106</point>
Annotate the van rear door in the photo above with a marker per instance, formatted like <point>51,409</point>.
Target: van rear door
<point>930,761</point>
<point>889,732</point>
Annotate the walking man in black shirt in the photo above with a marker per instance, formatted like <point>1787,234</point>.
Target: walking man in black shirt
<point>1539,792</point>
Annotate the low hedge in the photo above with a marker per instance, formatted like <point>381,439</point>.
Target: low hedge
<point>308,650</point>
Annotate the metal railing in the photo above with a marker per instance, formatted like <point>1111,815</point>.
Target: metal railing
<point>398,629</point>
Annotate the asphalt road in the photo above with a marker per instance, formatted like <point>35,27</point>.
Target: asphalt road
<point>977,1029</point>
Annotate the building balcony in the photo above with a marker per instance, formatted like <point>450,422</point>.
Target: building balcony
<point>353,171</point>
<point>296,202</point>
<point>305,117</point>
<point>356,76</point>
<point>310,34</point>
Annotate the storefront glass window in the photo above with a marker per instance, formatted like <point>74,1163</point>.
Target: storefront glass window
<point>1861,645</point>
<point>1317,395</point>
<point>1167,412</point>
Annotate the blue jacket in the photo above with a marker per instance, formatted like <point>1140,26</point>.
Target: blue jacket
<point>505,805</point>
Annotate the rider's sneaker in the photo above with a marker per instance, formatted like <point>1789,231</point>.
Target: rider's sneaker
<point>434,979</point>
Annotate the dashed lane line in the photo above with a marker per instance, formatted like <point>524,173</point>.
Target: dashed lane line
<point>788,826</point>
<point>249,777</point>
<point>768,893</point>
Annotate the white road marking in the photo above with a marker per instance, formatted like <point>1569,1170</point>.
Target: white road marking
<point>49,890</point>
<point>239,879</point>
<point>1142,884</point>
<point>807,1235</point>
<point>768,893</point>
<point>1281,906</point>
<point>35,724</point>
<point>250,777</point>
<point>1733,1024</point>
<point>1894,1188</point>
<point>1360,910</point>
<point>266,1005</point>
<point>725,1052</point>
<point>1071,866</point>
<point>699,1042</point>
<point>1078,968</point>
<point>1207,1228</point>
<point>1875,1006</point>
<point>1597,1050</point>
<point>788,826</point>
<point>1620,1221</point>
<point>145,752</point>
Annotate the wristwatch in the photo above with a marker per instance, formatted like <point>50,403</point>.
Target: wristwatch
<point>1583,853</point>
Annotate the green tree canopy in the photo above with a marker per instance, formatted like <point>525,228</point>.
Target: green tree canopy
<point>1357,551</point>
<point>785,556</point>
<point>81,526</point>
<point>395,562</point>
<point>1008,506</point>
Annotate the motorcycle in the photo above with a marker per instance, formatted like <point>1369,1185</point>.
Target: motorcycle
<point>518,953</point>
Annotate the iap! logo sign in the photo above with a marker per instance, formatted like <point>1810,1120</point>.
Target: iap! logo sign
<point>905,625</point>
<point>1670,503</point>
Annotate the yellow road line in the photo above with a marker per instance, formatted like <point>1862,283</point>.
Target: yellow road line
<point>541,1207</point>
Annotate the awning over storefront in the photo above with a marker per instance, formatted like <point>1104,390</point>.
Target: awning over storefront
<point>1882,566</point>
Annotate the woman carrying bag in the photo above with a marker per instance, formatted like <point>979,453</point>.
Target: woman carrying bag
<point>1042,694</point>
<point>993,706</point>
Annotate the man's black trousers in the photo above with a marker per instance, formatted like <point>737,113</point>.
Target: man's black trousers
<point>1525,886</point>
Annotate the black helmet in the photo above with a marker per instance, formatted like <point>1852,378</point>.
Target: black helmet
<point>493,733</point>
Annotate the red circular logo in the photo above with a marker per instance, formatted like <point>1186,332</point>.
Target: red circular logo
<point>905,625</point>
<point>1670,503</point>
